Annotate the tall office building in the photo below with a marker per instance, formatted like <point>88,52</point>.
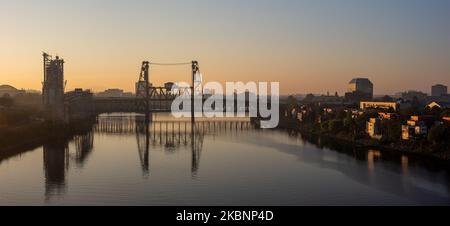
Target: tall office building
<point>359,89</point>
<point>438,90</point>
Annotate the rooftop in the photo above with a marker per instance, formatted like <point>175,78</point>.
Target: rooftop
<point>357,80</point>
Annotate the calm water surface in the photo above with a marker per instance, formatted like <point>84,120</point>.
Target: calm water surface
<point>122,161</point>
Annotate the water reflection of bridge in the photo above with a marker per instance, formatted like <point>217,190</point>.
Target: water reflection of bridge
<point>171,134</point>
<point>131,125</point>
<point>61,154</point>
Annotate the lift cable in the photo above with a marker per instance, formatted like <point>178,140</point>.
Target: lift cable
<point>171,64</point>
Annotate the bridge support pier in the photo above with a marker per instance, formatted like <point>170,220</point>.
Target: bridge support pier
<point>148,117</point>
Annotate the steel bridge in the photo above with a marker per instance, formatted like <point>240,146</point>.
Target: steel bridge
<point>160,128</point>
<point>149,98</point>
<point>153,99</point>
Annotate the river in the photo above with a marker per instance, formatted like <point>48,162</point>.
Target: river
<point>125,161</point>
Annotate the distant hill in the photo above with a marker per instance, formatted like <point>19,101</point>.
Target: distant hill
<point>9,90</point>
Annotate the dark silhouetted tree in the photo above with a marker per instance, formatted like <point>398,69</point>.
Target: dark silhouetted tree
<point>6,101</point>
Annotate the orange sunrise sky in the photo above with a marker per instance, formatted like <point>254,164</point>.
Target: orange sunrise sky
<point>308,46</point>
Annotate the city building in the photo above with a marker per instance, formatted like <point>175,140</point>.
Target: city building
<point>417,127</point>
<point>114,93</point>
<point>387,115</point>
<point>438,104</point>
<point>169,86</point>
<point>438,90</point>
<point>78,104</point>
<point>365,105</point>
<point>324,100</point>
<point>32,91</point>
<point>362,85</point>
<point>442,98</point>
<point>412,96</point>
<point>446,120</point>
<point>359,89</point>
<point>373,128</point>
<point>10,91</point>
<point>355,113</point>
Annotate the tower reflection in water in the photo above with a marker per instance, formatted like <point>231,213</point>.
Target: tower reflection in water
<point>172,135</point>
<point>55,166</point>
<point>161,130</point>
<point>169,134</point>
<point>57,158</point>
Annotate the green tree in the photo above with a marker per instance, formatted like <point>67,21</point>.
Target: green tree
<point>309,97</point>
<point>433,111</point>
<point>324,127</point>
<point>445,113</point>
<point>391,130</point>
<point>437,134</point>
<point>335,126</point>
<point>387,98</point>
<point>341,114</point>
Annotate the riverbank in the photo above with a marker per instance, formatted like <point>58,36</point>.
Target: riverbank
<point>400,147</point>
<point>417,148</point>
<point>19,139</point>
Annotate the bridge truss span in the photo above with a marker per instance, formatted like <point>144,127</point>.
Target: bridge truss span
<point>151,98</point>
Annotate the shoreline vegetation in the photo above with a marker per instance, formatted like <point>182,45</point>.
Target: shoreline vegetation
<point>23,126</point>
<point>34,134</point>
<point>367,143</point>
<point>16,141</point>
<point>23,129</point>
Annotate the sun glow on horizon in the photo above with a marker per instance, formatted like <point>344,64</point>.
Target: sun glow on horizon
<point>308,46</point>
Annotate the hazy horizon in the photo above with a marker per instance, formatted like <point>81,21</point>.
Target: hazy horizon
<point>309,46</point>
